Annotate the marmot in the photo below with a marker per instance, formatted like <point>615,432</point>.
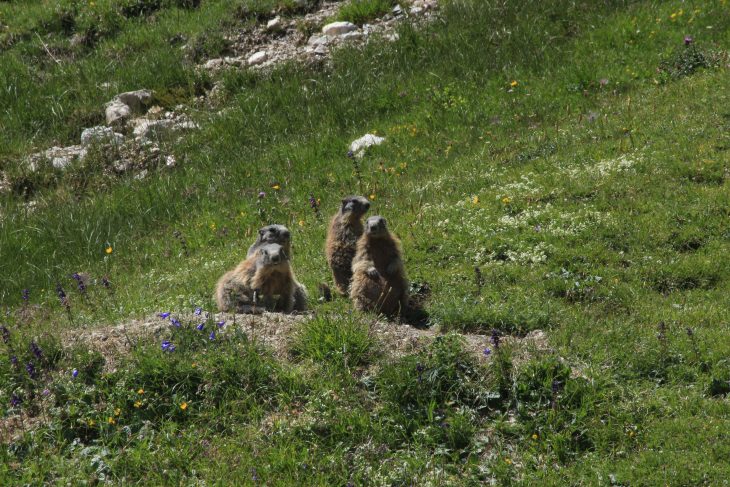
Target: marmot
<point>378,277</point>
<point>264,279</point>
<point>277,234</point>
<point>281,235</point>
<point>344,231</point>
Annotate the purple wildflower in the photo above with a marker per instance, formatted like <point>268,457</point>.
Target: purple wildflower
<point>211,337</point>
<point>36,350</point>
<point>62,297</point>
<point>46,392</point>
<point>313,202</point>
<point>26,295</point>
<point>5,333</point>
<point>167,346</point>
<point>350,154</point>
<point>688,40</point>
<point>487,352</point>
<point>74,373</point>
<point>420,368</point>
<point>164,315</point>
<point>14,360</point>
<point>198,311</point>
<point>603,82</point>
<point>262,195</point>
<point>15,401</point>
<point>80,281</point>
<point>221,323</point>
<point>106,283</point>
<point>175,322</point>
<point>30,368</point>
<point>254,475</point>
<point>495,338</point>
<point>200,327</point>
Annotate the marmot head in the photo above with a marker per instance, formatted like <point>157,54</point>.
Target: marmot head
<point>274,234</point>
<point>376,226</point>
<point>354,206</point>
<point>270,255</point>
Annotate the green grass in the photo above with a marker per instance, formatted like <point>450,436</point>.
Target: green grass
<point>574,152</point>
<point>362,11</point>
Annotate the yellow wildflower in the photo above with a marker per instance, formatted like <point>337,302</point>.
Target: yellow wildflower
<point>140,391</point>
<point>508,461</point>
<point>534,436</point>
<point>301,223</point>
<point>514,83</point>
<point>137,404</point>
<point>109,250</point>
<point>184,406</point>
<point>276,187</point>
<point>475,200</point>
<point>372,196</point>
<point>506,200</point>
<point>111,420</point>
<point>91,422</point>
<point>117,412</point>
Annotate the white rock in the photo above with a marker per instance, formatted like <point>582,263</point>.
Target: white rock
<point>355,35</point>
<point>338,28</point>
<point>117,112</point>
<point>257,58</point>
<point>136,100</point>
<point>358,146</point>
<point>100,135</point>
<point>60,157</point>
<point>316,40</point>
<point>152,129</point>
<point>275,24</point>
<point>213,64</point>
<point>321,50</point>
<point>170,161</point>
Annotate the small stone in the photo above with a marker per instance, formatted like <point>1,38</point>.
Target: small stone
<point>170,161</point>
<point>397,10</point>
<point>142,174</point>
<point>213,64</point>
<point>320,50</point>
<point>274,25</point>
<point>350,36</point>
<point>257,58</point>
<point>316,40</point>
<point>338,28</point>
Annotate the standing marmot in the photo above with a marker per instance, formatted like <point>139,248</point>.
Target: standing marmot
<point>344,231</point>
<point>264,279</point>
<point>281,235</point>
<point>378,277</point>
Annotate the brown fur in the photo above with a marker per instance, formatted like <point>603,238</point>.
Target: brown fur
<point>344,231</point>
<point>281,235</point>
<point>379,280</point>
<point>258,281</point>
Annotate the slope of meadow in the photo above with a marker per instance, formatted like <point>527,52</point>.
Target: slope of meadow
<point>558,166</point>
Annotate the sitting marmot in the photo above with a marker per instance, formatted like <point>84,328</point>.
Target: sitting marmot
<point>344,231</point>
<point>281,235</point>
<point>378,277</point>
<point>264,280</point>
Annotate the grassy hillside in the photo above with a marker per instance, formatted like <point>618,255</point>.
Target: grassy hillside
<point>557,166</point>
